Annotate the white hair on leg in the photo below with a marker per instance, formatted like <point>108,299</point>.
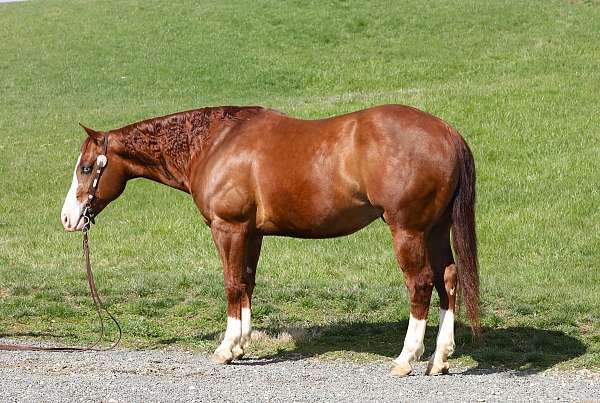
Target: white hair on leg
<point>444,345</point>
<point>224,353</point>
<point>246,326</point>
<point>413,346</point>
<point>239,349</point>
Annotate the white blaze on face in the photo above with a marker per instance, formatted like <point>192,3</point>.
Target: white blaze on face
<point>71,210</point>
<point>413,342</point>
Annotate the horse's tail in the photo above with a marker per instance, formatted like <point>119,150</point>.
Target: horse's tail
<point>464,239</point>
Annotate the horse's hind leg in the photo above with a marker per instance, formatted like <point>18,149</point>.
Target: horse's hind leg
<point>411,251</point>
<point>445,280</point>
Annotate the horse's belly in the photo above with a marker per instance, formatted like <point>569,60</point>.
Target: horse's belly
<point>302,222</point>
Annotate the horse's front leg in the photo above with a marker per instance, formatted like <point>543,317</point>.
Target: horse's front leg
<point>231,241</point>
<point>252,255</point>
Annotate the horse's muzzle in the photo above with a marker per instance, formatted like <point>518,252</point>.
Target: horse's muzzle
<point>72,220</point>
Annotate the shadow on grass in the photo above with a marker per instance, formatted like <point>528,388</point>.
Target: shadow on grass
<point>517,348</point>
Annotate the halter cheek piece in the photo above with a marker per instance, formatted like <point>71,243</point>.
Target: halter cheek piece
<point>87,214</point>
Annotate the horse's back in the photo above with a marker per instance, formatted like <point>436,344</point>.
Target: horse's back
<point>389,155</point>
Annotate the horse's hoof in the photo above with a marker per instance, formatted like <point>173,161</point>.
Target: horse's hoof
<point>401,369</point>
<point>219,358</point>
<point>238,352</point>
<point>437,369</point>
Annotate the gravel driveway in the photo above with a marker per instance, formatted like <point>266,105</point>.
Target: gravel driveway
<point>142,376</point>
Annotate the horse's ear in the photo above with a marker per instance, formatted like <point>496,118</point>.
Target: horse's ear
<point>92,133</point>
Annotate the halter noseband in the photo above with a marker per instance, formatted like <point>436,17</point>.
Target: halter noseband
<point>87,213</point>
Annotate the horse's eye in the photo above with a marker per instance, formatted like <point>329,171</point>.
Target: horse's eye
<point>86,170</point>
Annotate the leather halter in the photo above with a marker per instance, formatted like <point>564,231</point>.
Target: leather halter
<point>87,213</point>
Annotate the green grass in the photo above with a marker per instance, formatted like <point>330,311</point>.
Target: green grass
<point>520,80</point>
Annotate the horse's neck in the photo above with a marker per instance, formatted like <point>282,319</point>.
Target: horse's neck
<point>160,155</point>
<point>160,170</point>
<point>162,149</point>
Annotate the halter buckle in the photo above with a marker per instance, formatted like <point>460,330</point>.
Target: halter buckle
<point>88,218</point>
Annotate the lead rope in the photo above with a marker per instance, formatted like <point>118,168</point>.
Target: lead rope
<point>97,304</point>
<point>95,296</point>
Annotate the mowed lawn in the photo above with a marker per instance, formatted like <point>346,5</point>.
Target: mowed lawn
<point>519,80</point>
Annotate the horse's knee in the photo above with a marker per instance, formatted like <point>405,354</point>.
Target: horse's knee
<point>234,292</point>
<point>234,295</point>
<point>420,287</point>
<point>410,248</point>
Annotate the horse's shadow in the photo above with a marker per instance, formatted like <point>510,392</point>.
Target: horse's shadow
<point>517,348</point>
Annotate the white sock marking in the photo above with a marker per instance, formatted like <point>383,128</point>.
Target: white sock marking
<point>413,342</point>
<point>445,338</point>
<point>232,336</point>
<point>246,326</point>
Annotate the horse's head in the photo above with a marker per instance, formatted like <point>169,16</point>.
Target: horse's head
<point>99,178</point>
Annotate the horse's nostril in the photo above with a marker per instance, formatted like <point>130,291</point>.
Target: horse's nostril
<point>65,219</point>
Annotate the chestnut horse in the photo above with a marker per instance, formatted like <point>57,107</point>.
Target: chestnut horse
<point>254,171</point>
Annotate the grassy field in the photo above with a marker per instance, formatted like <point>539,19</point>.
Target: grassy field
<point>520,80</point>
